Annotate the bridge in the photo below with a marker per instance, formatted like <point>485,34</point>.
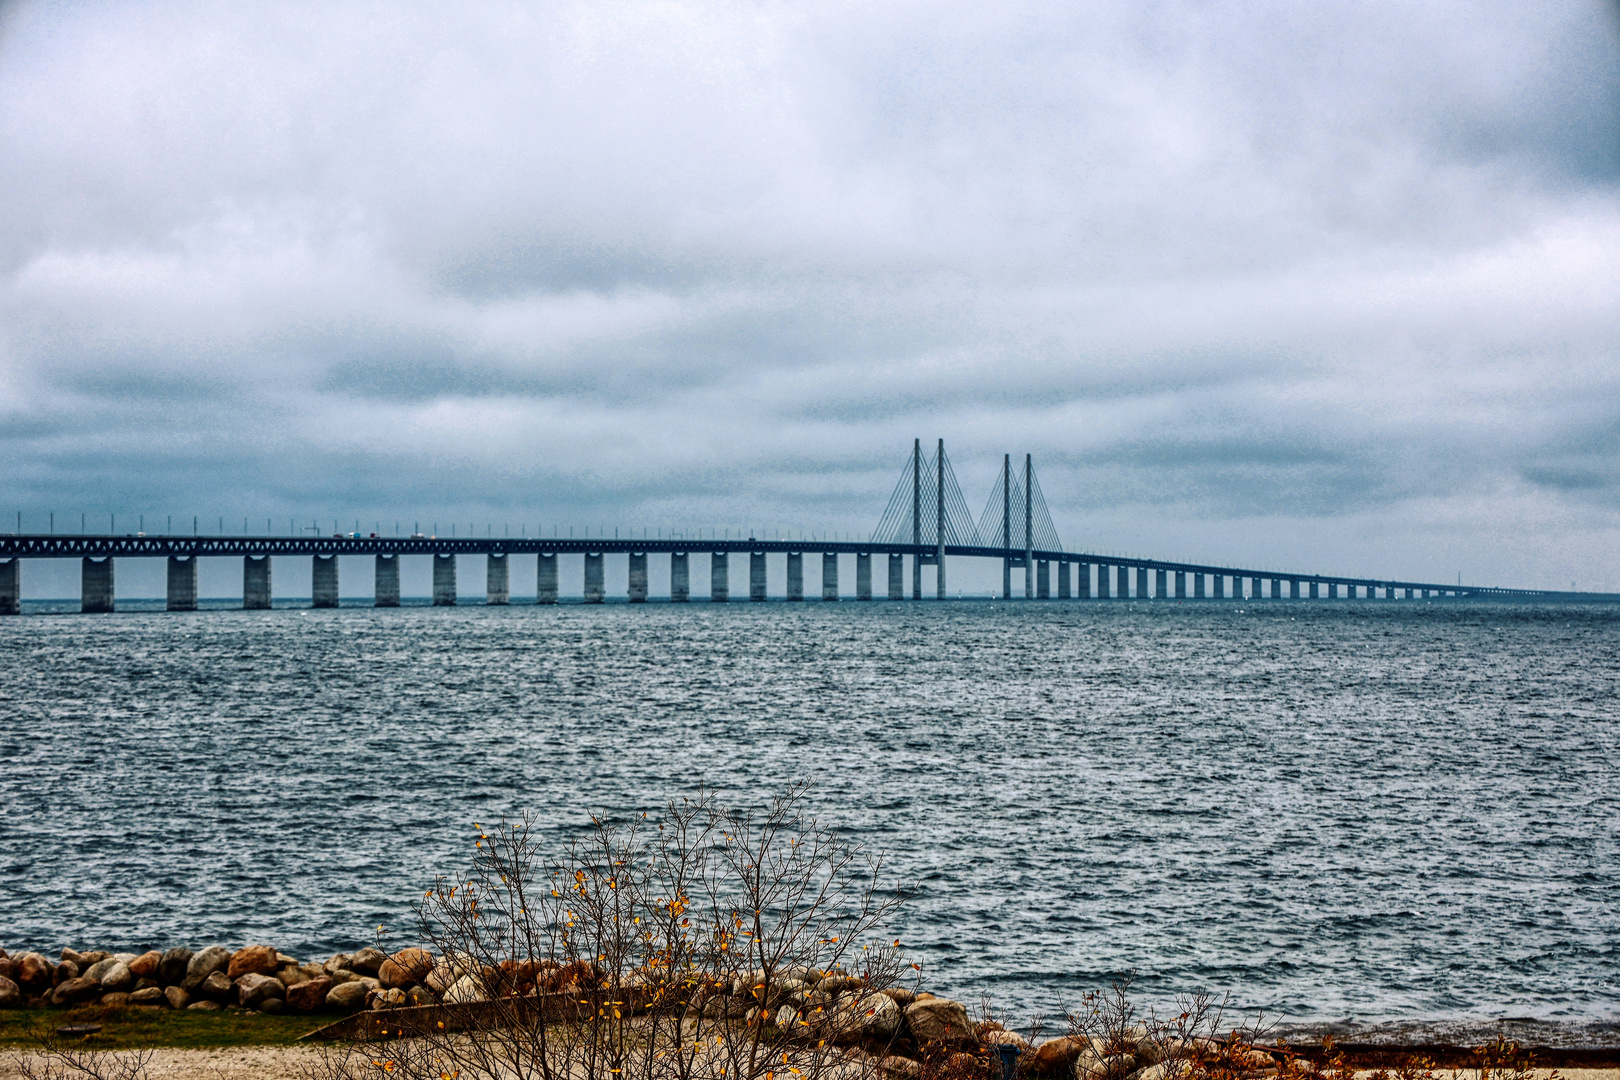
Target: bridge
<point>926,522</point>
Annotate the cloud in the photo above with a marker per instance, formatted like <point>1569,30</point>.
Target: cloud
<point>1216,268</point>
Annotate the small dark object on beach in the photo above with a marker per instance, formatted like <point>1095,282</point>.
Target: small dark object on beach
<point>69,1030</point>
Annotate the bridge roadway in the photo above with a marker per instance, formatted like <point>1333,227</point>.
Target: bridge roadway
<point>1153,578</point>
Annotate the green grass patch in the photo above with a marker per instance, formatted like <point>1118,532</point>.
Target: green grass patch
<point>132,1029</point>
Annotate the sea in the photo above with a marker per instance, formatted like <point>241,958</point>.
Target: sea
<point>1359,817</point>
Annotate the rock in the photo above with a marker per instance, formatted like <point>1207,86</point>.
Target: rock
<point>272,1006</point>
<point>204,1006</point>
<point>405,968</point>
<point>74,956</point>
<point>125,957</point>
<point>146,965</point>
<point>172,968</point>
<point>283,960</point>
<point>116,1000</point>
<point>441,978</point>
<point>343,975</point>
<point>1055,1057</point>
<point>64,971</point>
<point>1002,1037</point>
<point>95,956</point>
<point>367,960</point>
<point>787,1018</point>
<point>77,990</point>
<point>902,997</point>
<point>960,1064</point>
<point>873,1016</point>
<point>418,995</point>
<point>465,991</point>
<point>347,997</point>
<point>152,995</point>
<point>6,969</point>
<point>11,995</point>
<point>337,963</point>
<point>144,984</point>
<point>203,964</point>
<point>217,987</point>
<point>1090,1066</point>
<point>902,1068</point>
<point>838,984</point>
<point>938,1020</point>
<point>99,968</point>
<point>252,960</point>
<point>176,997</point>
<point>391,998</point>
<point>33,973</point>
<point>310,995</point>
<point>291,976</point>
<point>253,989</point>
<point>118,978</point>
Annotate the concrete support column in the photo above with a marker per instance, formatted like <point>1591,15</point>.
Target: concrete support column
<point>795,575</point>
<point>1219,581</point>
<point>1104,581</point>
<point>1316,590</point>
<point>1160,583</point>
<point>637,589</point>
<point>1029,577</point>
<point>182,583</point>
<point>719,577</point>
<point>595,579</point>
<point>444,580</point>
<point>1082,580</point>
<point>323,581</point>
<point>1065,589</point>
<point>863,577</point>
<point>1043,579</point>
<point>1198,586</point>
<point>1006,578</point>
<point>829,575</point>
<point>1181,584</point>
<point>1295,592</point>
<point>497,580</point>
<point>386,576</point>
<point>96,586</point>
<point>256,583</point>
<point>916,577</point>
<point>10,592</point>
<point>545,579</point>
<point>1141,583</point>
<point>897,577</point>
<point>680,579</point>
<point>756,576</point>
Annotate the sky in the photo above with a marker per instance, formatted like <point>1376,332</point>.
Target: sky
<point>1321,287</point>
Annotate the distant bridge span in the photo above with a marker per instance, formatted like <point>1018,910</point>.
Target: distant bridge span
<point>905,533</point>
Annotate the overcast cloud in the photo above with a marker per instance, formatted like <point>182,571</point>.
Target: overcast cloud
<point>1323,286</point>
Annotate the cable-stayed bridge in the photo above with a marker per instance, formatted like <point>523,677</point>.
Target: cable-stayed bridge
<point>927,521</point>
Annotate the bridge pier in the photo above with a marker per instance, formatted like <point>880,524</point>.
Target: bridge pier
<point>444,580</point>
<point>897,577</point>
<point>255,583</point>
<point>636,589</point>
<point>795,575</point>
<point>10,592</point>
<point>545,579</point>
<point>1065,588</point>
<point>829,575</point>
<point>595,579</point>
<point>1198,586</point>
<point>1043,579</point>
<point>916,577</point>
<point>680,579</point>
<point>1220,586</point>
<point>756,576</point>
<point>1082,581</point>
<point>323,582</point>
<point>863,576</point>
<point>497,580</point>
<point>1141,583</point>
<point>96,586</point>
<point>1006,578</point>
<point>385,575</point>
<point>1104,581</point>
<point>182,591</point>
<point>1160,583</point>
<point>719,577</point>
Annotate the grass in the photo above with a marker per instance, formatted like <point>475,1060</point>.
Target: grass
<point>133,1029</point>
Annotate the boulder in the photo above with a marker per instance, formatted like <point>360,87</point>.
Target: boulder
<point>1091,1066</point>
<point>152,995</point>
<point>347,997</point>
<point>116,1000</point>
<point>465,991</point>
<point>77,990</point>
<point>176,997</point>
<point>146,965</point>
<point>64,971</point>
<point>203,964</point>
<point>405,968</point>
<point>901,1068</point>
<point>217,987</point>
<point>1055,1057</point>
<point>33,973</point>
<point>340,962</point>
<point>310,995</point>
<point>118,978</point>
<point>204,1006</point>
<point>391,998</point>
<point>99,968</point>
<point>787,1018</point>
<point>143,984</point>
<point>11,995</point>
<point>417,995</point>
<point>902,997</point>
<point>1002,1037</point>
<point>94,956</point>
<point>6,969</point>
<point>292,976</point>
<point>172,968</point>
<point>272,1006</point>
<point>253,989</point>
<point>938,1020</point>
<point>74,956</point>
<point>838,984</point>
<point>441,978</point>
<point>873,1016</point>
<point>367,960</point>
<point>252,960</point>
<point>125,957</point>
